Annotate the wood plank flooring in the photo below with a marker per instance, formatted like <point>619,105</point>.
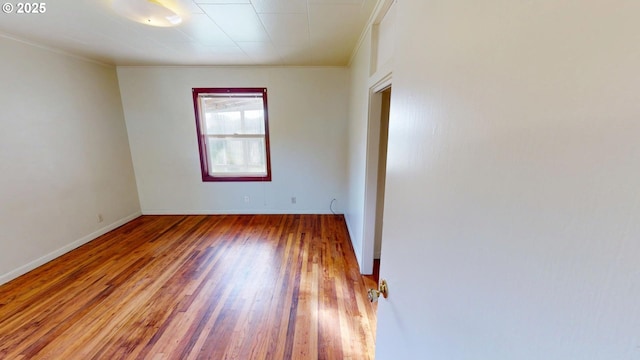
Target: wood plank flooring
<point>196,287</point>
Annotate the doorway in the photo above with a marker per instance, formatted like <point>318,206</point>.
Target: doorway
<point>382,176</point>
<point>377,139</point>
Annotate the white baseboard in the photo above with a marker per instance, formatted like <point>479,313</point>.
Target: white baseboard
<point>235,212</point>
<point>45,259</point>
<point>356,247</point>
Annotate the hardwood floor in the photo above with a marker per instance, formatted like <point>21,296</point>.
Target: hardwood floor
<point>196,287</point>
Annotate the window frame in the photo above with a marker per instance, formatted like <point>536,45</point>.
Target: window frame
<point>202,142</point>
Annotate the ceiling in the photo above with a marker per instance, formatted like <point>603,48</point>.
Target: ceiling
<point>213,32</point>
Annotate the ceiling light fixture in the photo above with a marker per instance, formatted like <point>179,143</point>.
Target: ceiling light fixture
<point>149,12</point>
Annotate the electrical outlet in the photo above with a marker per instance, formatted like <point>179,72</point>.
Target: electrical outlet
<point>100,218</point>
<point>246,199</point>
<point>293,200</point>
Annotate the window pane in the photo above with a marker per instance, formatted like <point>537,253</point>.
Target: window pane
<point>234,115</point>
<point>224,122</point>
<point>253,122</point>
<point>237,155</point>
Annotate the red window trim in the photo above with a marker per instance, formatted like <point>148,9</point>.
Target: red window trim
<point>202,146</point>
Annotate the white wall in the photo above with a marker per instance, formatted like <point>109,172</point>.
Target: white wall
<point>369,73</point>
<point>513,175</point>
<point>358,115</point>
<point>386,33</point>
<point>64,156</point>
<point>307,128</point>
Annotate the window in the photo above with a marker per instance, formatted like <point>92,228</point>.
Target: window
<point>233,133</point>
